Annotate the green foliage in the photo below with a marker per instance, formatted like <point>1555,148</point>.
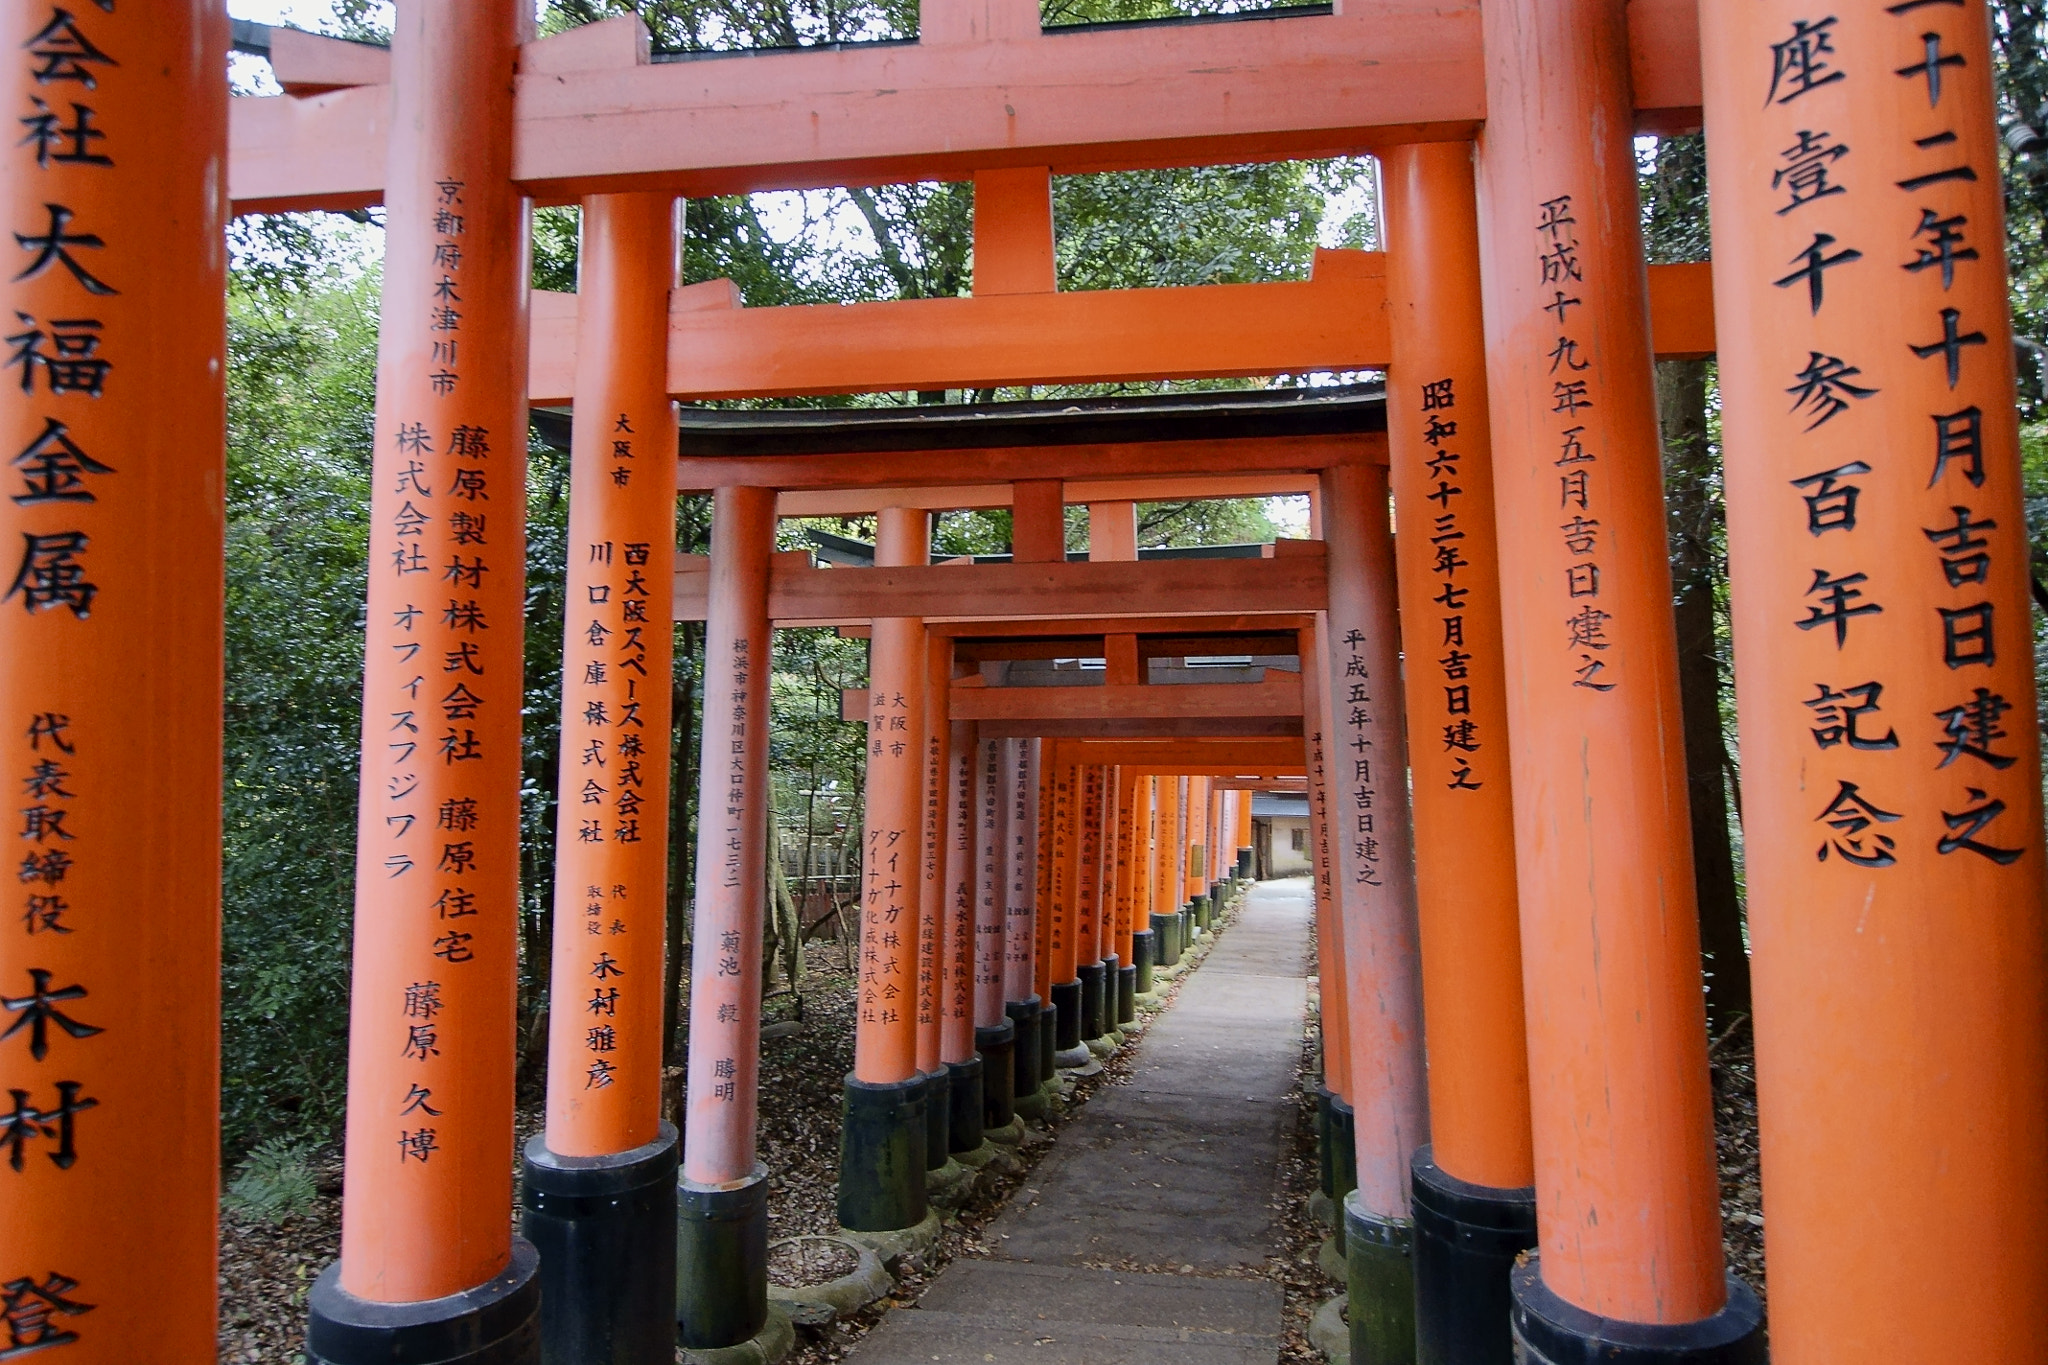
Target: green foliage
<point>275,1182</point>
<point>301,393</point>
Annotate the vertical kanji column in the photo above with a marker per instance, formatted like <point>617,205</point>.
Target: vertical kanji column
<point>1194,857</point>
<point>1062,965</point>
<point>1338,1136</point>
<point>426,1210</point>
<point>1626,1188</point>
<point>110,683</point>
<point>608,1280</point>
<point>1475,1210</point>
<point>1373,887</point>
<point>1021,1001</point>
<point>1165,876</point>
<point>882,1142</point>
<point>722,1227</point>
<point>1884,651</point>
<point>1088,897</point>
<point>963,1063</point>
<point>1124,916</point>
<point>995,1033</point>
<point>931,903</point>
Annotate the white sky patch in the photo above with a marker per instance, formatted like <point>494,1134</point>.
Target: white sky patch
<point>1289,515</point>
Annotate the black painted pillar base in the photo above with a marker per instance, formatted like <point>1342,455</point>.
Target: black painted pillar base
<point>1145,952</point>
<point>1218,893</point>
<point>496,1323</point>
<point>1091,975</point>
<point>721,1247</point>
<point>1166,938</point>
<point>1190,931</point>
<point>1126,996</point>
<point>1343,1158</point>
<point>1066,1004</point>
<point>882,1155</point>
<point>1326,1151</point>
<point>1048,1043</point>
<point>998,1049</point>
<point>1379,1253</point>
<point>1244,864</point>
<point>1549,1331</point>
<point>938,1118</point>
<point>1198,909</point>
<point>964,1105</point>
<point>1466,1240</point>
<point>1024,1077</point>
<point>605,1230</point>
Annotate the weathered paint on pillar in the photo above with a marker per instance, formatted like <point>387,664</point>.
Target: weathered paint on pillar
<point>1020,907</point>
<point>732,844</point>
<point>426,1209</point>
<point>1365,791</point>
<point>612,797</point>
<point>1330,975</point>
<point>1244,820</point>
<point>992,894</point>
<point>957,962</point>
<point>1441,469</point>
<point>110,683</point>
<point>1626,1186</point>
<point>932,888</point>
<point>886,1035</point>
<point>1891,780</point>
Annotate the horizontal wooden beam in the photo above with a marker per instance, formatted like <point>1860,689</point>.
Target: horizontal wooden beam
<point>1278,697</point>
<point>985,593</point>
<point>1288,455</point>
<point>594,116</point>
<point>1195,755</point>
<point>1335,320</point>
<point>967,649</point>
<point>1286,728</point>
<point>854,502</point>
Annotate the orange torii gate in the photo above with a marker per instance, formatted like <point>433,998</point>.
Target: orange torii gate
<point>1876,536</point>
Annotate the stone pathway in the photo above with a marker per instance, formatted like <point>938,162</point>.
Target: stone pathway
<point>1175,1169</point>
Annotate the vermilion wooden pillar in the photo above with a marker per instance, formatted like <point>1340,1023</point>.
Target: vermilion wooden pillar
<point>1373,887</point>
<point>1626,1186</point>
<point>608,1282</point>
<point>1883,644</point>
<point>110,683</point>
<point>964,1065</point>
<point>1166,884</point>
<point>931,903</point>
<point>995,1033</point>
<point>1090,845</point>
<point>1476,1207</point>
<point>882,1145</point>
<point>1123,922</point>
<point>722,1232</point>
<point>1336,1136</point>
<point>1062,965</point>
<point>1144,855</point>
<point>1022,1001</point>
<point>1244,836</point>
<point>426,1213</point>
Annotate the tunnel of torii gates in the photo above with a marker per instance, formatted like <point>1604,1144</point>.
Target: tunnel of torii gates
<point>1502,837</point>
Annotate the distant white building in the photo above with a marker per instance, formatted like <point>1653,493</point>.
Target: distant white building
<point>1280,837</point>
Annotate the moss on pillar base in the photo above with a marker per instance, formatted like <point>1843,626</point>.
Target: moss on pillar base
<point>1380,1254</point>
<point>882,1155</point>
<point>721,1239</point>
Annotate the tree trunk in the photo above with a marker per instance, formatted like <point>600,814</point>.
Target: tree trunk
<point>1695,512</point>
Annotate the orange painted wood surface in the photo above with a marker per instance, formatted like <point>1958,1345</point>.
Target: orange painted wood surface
<point>986,592</point>
<point>1377,73</point>
<point>1335,320</point>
